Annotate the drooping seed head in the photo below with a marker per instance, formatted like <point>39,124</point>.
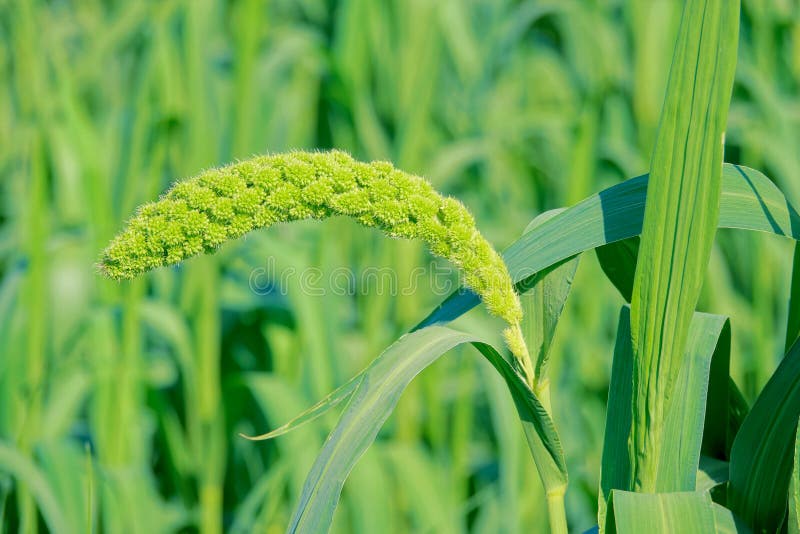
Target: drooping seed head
<point>199,214</point>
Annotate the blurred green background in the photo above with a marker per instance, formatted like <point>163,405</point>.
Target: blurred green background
<point>120,403</point>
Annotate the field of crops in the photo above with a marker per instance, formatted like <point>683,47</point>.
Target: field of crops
<point>122,402</point>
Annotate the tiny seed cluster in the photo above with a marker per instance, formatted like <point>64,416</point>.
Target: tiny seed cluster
<point>199,214</point>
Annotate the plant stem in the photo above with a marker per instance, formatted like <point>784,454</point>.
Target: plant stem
<point>557,511</point>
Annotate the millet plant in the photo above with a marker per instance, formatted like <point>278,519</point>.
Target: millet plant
<point>682,452</point>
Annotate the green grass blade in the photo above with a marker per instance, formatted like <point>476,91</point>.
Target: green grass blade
<point>718,407</point>
<point>761,456</point>
<point>615,470</point>
<point>680,222</point>
<point>28,473</point>
<point>340,394</point>
<point>738,408</point>
<point>709,340</point>
<point>542,304</point>
<point>375,397</point>
<point>539,429</point>
<point>794,489</point>
<point>370,405</point>
<point>749,201</point>
<point>793,323</point>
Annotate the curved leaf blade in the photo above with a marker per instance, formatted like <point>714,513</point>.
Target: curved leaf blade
<point>793,322</point>
<point>749,201</point>
<point>540,431</point>
<point>334,398</point>
<point>373,400</point>
<point>370,405</point>
<point>762,452</point>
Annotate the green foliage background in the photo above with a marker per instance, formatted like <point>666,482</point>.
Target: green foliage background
<point>130,395</point>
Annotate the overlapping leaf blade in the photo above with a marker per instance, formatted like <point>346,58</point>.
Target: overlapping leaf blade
<point>793,525</point>
<point>542,304</point>
<point>749,201</point>
<point>373,400</point>
<point>680,222</point>
<point>708,341</point>
<point>793,322</point>
<point>761,456</point>
<point>685,512</point>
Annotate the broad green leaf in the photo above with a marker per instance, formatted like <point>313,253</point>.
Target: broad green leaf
<point>761,456</point>
<point>542,304</point>
<point>793,323</point>
<point>749,201</point>
<point>618,261</point>
<point>615,467</point>
<point>794,488</point>
<point>680,222</point>
<point>655,513</point>
<point>370,405</point>
<point>709,339</point>
<point>374,399</point>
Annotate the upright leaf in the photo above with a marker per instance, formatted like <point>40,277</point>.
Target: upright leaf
<point>542,304</point>
<point>719,407</point>
<point>761,456</point>
<point>708,341</point>
<point>680,222</point>
<point>794,489</point>
<point>793,323</point>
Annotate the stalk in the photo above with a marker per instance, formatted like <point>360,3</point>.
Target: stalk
<point>556,511</point>
<point>540,385</point>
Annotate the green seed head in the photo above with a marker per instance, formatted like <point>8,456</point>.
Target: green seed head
<point>199,214</point>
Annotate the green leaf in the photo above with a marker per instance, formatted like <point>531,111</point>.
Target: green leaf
<point>716,429</point>
<point>542,305</point>
<point>374,399</point>
<point>712,475</point>
<point>27,473</point>
<point>680,222</point>
<point>749,201</point>
<point>341,393</point>
<point>793,323</point>
<point>794,488</point>
<point>761,456</point>
<point>655,513</point>
<point>737,411</point>
<point>709,339</point>
<point>370,405</point>
<point>618,261</point>
<point>539,429</point>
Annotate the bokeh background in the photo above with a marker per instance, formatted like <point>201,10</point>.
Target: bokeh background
<point>120,403</point>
